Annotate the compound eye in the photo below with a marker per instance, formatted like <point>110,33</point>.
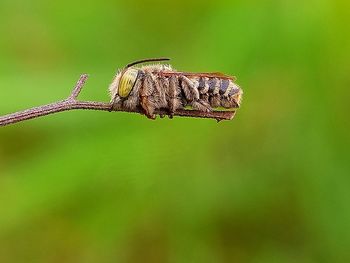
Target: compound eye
<point>127,82</point>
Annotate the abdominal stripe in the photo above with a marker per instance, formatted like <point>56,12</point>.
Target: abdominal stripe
<point>223,86</point>
<point>212,83</point>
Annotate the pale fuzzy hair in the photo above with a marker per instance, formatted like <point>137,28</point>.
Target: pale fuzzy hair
<point>239,96</point>
<point>113,87</point>
<point>156,67</point>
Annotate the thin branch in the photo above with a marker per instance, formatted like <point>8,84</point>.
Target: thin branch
<point>77,89</point>
<point>71,103</point>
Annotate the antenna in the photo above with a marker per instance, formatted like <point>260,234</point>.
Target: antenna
<point>146,60</point>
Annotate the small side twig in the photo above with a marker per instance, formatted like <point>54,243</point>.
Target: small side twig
<point>77,89</point>
<point>71,103</point>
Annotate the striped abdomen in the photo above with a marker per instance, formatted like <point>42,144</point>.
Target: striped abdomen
<point>218,92</point>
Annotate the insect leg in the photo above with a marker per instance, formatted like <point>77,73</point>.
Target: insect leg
<point>174,102</point>
<point>133,99</point>
<point>146,92</point>
<point>214,89</point>
<point>190,89</point>
<point>203,87</point>
<point>160,88</point>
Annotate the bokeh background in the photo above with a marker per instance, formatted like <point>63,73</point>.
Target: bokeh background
<point>270,186</point>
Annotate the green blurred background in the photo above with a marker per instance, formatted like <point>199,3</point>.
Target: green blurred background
<point>270,186</point>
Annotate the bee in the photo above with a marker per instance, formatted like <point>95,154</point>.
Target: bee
<point>159,86</point>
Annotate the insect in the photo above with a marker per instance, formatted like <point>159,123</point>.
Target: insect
<point>159,86</point>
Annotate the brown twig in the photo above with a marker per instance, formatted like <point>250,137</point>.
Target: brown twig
<point>71,103</point>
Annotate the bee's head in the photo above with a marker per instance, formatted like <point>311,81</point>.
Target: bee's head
<point>123,83</point>
<point>127,81</point>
